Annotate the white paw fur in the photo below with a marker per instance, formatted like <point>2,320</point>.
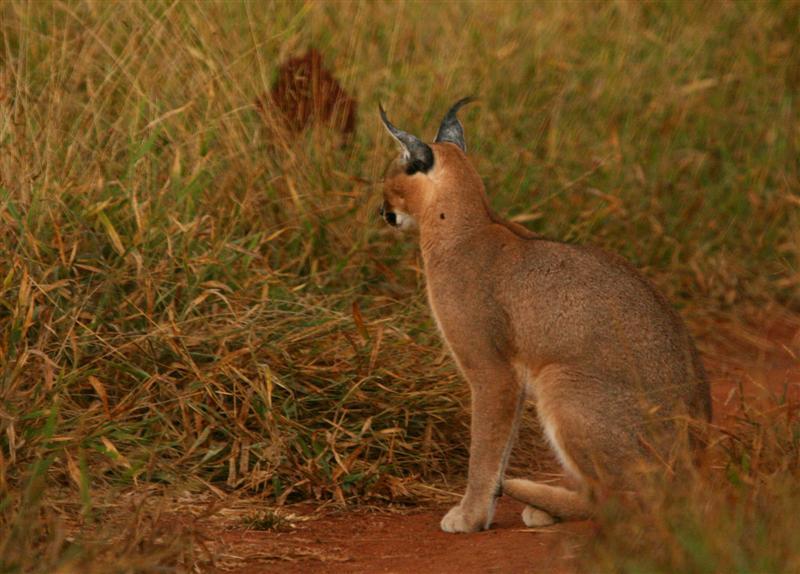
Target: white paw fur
<point>456,521</point>
<point>533,517</point>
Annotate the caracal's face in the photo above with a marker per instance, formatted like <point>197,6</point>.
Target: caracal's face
<point>413,182</point>
<point>405,190</point>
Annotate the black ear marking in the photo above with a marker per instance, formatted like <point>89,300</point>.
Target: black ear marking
<point>417,155</point>
<point>417,165</point>
<point>451,129</point>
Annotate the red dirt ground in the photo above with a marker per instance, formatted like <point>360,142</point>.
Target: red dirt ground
<point>361,542</point>
<point>372,542</point>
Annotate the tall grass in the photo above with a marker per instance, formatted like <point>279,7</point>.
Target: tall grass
<point>740,514</point>
<point>192,296</point>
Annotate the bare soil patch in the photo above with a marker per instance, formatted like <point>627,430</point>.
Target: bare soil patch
<point>360,541</point>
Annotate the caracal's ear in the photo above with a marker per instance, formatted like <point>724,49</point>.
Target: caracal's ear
<point>451,129</point>
<point>417,155</point>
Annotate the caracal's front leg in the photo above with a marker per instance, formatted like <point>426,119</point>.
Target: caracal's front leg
<point>497,400</point>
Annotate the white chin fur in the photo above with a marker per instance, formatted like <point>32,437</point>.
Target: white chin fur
<point>404,221</point>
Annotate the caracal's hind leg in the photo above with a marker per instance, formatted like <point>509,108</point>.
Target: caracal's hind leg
<point>593,438</point>
<point>497,399</point>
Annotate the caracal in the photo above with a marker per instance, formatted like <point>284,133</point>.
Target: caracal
<point>609,364</point>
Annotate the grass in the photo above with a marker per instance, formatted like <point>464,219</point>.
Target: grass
<point>738,514</point>
<point>268,520</point>
<point>191,297</point>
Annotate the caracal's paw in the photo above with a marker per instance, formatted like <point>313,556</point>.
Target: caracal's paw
<point>534,518</point>
<point>456,520</point>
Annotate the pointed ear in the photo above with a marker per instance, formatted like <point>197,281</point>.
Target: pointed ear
<point>417,155</point>
<point>451,129</point>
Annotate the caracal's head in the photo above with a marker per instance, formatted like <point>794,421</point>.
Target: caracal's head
<point>427,177</point>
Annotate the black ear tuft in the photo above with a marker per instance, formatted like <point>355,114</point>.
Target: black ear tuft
<point>451,129</point>
<point>417,155</point>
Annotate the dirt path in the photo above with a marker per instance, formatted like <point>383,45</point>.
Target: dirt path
<point>371,542</point>
<point>361,542</point>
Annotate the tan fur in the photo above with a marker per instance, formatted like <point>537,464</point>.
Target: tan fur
<point>609,364</point>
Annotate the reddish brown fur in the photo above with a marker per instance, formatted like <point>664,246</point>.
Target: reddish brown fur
<point>306,92</point>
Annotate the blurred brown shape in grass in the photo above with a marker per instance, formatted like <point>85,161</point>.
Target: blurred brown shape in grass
<point>306,93</point>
